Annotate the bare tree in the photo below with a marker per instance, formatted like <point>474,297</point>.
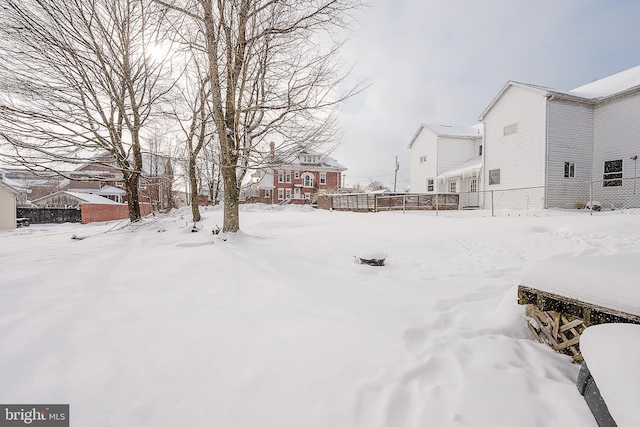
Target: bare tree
<point>191,113</point>
<point>273,76</point>
<point>376,186</point>
<point>209,170</point>
<point>80,77</point>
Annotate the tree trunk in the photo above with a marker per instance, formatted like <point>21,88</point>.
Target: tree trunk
<point>231,221</point>
<point>193,182</point>
<point>131,184</point>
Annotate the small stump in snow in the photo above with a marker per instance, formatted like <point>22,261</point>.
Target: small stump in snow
<point>372,258</point>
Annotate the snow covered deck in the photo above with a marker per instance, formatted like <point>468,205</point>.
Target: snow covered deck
<point>612,353</point>
<point>566,295</point>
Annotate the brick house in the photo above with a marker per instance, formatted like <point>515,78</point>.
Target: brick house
<point>103,178</point>
<point>298,179</point>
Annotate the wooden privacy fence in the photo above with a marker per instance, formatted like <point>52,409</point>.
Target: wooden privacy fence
<point>366,202</point>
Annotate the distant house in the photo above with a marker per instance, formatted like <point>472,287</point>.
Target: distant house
<point>532,136</point>
<point>93,207</point>
<point>104,178</point>
<point>298,179</point>
<point>8,196</point>
<point>446,159</point>
<point>71,199</point>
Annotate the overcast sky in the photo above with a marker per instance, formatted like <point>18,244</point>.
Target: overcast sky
<point>443,61</point>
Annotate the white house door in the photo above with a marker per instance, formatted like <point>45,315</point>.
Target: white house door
<point>296,193</point>
<point>473,192</point>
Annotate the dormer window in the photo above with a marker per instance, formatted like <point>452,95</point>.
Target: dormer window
<point>309,159</point>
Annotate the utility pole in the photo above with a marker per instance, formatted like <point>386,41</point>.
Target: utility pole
<point>395,178</point>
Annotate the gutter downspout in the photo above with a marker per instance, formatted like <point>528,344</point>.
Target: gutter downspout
<point>546,152</point>
<point>435,178</point>
<point>484,156</point>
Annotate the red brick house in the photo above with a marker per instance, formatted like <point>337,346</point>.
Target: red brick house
<point>103,178</point>
<point>299,179</point>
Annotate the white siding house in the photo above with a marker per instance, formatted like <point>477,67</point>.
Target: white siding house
<point>445,159</point>
<point>7,205</point>
<point>515,132</point>
<point>548,148</point>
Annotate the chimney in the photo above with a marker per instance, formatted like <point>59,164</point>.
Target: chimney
<point>273,150</point>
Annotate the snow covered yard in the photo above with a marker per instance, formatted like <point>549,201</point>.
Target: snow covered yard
<point>279,326</point>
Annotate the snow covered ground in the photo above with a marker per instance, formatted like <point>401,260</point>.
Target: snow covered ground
<point>279,326</point>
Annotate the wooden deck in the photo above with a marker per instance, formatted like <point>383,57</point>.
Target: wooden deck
<point>559,321</point>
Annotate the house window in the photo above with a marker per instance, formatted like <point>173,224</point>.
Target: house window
<point>267,193</point>
<point>296,175</point>
<point>569,170</point>
<point>307,196</point>
<point>280,176</point>
<point>430,185</point>
<point>280,193</point>
<point>508,130</point>
<point>288,177</point>
<point>308,181</point>
<point>323,178</point>
<point>453,186</point>
<point>473,186</point>
<point>494,177</point>
<point>288,193</point>
<point>480,150</point>
<point>423,159</point>
<point>612,173</point>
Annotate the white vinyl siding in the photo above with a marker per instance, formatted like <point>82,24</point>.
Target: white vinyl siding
<point>7,209</point>
<point>453,152</point>
<point>570,140</point>
<point>616,134</point>
<point>423,146</point>
<point>519,156</point>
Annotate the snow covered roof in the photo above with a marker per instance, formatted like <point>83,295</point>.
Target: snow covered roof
<point>84,198</point>
<point>617,83</point>
<point>467,168</point>
<point>107,190</point>
<point>325,162</point>
<point>449,131</point>
<point>5,185</point>
<point>91,198</point>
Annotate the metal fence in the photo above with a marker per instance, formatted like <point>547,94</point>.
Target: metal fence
<point>570,198</point>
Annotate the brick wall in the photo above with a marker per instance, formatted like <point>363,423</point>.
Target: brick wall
<point>98,213</point>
